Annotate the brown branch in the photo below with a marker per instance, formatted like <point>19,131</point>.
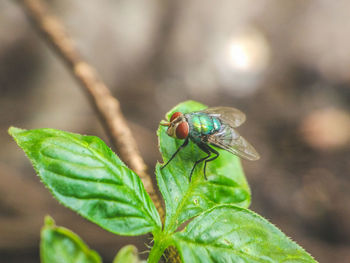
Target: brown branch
<point>107,106</point>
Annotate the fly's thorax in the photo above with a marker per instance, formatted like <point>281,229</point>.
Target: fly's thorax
<point>202,124</point>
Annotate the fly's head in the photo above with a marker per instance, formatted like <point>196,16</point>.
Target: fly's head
<point>177,126</point>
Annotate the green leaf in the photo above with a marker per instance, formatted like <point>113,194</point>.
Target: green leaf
<point>86,176</point>
<point>183,200</point>
<point>127,254</point>
<point>229,233</point>
<point>59,244</point>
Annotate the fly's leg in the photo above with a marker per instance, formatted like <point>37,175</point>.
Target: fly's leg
<point>176,152</point>
<point>211,159</point>
<point>205,149</point>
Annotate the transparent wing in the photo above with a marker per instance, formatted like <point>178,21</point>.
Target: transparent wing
<point>230,140</point>
<point>230,116</point>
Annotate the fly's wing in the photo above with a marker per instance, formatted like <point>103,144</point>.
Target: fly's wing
<point>230,140</point>
<point>227,115</point>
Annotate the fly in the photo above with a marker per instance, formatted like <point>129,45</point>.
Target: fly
<point>210,127</point>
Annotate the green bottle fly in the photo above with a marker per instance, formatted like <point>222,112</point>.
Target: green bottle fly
<point>212,126</point>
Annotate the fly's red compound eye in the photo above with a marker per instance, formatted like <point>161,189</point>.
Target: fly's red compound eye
<point>182,130</point>
<point>175,115</point>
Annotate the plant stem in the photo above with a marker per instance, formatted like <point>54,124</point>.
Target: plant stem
<point>158,249</point>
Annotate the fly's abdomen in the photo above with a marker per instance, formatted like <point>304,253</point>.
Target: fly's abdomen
<point>203,124</point>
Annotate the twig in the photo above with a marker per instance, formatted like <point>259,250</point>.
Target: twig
<point>107,106</point>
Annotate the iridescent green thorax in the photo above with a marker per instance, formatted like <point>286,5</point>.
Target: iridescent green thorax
<point>202,124</point>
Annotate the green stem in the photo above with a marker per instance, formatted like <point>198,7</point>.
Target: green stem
<point>158,248</point>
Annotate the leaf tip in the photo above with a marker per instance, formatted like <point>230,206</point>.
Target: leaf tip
<point>49,221</point>
<point>129,254</point>
<point>13,130</point>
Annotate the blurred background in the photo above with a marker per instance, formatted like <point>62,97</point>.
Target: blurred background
<point>286,64</point>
